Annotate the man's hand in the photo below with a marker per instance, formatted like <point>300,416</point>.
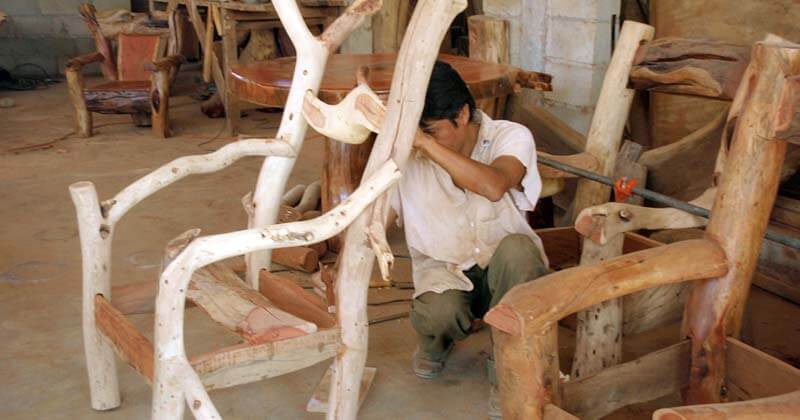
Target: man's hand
<point>422,141</point>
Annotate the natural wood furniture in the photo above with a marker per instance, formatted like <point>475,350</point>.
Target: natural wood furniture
<point>228,19</point>
<point>138,78</point>
<point>276,341</point>
<point>721,264</point>
<point>268,83</point>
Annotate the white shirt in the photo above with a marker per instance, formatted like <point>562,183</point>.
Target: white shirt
<point>448,229</point>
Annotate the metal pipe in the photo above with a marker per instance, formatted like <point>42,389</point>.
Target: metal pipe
<point>660,198</point>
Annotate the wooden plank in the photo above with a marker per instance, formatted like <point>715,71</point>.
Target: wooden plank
<point>288,296</point>
<point>782,407</point>
<point>552,135</point>
<point>219,292</point>
<point>554,412</point>
<point>318,403</point>
<point>129,344</point>
<point>244,363</point>
<point>649,377</point>
<point>756,374</point>
<point>135,298</point>
<point>134,50</point>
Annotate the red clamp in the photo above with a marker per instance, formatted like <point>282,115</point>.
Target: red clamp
<point>623,189</point>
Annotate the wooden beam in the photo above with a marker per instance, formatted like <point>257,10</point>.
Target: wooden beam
<point>581,160</point>
<point>246,363</point>
<point>129,344</point>
<point>652,376</point>
<point>694,67</point>
<point>290,297</point>
<point>752,374</point>
<point>552,134</point>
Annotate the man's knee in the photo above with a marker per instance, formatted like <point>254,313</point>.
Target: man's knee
<point>516,249</point>
<point>435,313</point>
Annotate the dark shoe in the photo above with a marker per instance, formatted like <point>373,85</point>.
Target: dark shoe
<point>429,369</point>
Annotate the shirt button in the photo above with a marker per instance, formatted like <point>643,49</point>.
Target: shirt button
<point>471,224</point>
<point>477,250</point>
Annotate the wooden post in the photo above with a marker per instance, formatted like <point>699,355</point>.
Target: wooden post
<point>96,259</point>
<point>160,80</point>
<point>599,333</point>
<point>415,61</point>
<point>83,118</point>
<point>230,57</point>
<point>385,27</point>
<point>530,371</point>
<point>740,215</point>
<point>488,41</point>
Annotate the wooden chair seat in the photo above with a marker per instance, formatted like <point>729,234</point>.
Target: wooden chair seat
<point>219,292</point>
<point>119,97</point>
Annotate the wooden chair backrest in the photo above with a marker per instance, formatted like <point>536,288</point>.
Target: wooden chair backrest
<point>134,51</point>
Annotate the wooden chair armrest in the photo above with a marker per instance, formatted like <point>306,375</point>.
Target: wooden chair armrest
<point>165,63</point>
<point>77,63</point>
<point>548,299</point>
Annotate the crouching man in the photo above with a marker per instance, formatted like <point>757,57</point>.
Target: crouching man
<point>462,200</point>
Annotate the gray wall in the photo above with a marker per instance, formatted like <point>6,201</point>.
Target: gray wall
<point>46,33</point>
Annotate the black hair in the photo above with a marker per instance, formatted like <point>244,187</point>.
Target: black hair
<point>447,93</point>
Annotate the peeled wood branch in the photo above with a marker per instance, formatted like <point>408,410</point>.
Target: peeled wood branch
<point>190,165</point>
<point>414,64</point>
<point>695,67</point>
<point>77,63</point>
<point>551,298</point>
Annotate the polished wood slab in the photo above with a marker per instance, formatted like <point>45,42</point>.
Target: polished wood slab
<point>267,83</point>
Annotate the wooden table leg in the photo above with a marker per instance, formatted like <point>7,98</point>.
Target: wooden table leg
<point>230,58</point>
<point>341,174</point>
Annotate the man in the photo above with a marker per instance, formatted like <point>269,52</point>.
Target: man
<point>462,200</point>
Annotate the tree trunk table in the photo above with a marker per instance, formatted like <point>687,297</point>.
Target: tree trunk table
<point>268,84</point>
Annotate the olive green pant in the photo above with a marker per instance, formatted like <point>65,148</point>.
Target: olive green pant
<point>442,318</point>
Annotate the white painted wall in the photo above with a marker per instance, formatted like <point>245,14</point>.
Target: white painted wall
<point>569,39</point>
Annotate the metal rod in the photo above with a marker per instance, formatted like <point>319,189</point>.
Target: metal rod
<point>660,198</point>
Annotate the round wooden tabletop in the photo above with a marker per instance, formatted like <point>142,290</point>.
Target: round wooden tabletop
<point>267,83</point>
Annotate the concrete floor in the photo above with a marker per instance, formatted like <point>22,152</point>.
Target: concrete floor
<point>42,368</point>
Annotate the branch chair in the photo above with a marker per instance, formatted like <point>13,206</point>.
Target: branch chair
<point>138,79</point>
<point>275,342</point>
<point>714,370</point>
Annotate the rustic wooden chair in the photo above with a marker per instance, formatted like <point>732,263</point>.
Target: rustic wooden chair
<point>275,341</point>
<point>138,79</point>
<point>709,364</point>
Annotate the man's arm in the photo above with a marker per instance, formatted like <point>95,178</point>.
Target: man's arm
<point>490,181</point>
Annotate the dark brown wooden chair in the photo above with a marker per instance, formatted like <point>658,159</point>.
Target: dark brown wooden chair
<point>138,78</point>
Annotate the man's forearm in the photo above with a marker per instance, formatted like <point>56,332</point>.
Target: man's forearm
<point>468,174</point>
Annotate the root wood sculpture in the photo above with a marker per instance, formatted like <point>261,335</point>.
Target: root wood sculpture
<point>715,366</point>
<point>193,271</point>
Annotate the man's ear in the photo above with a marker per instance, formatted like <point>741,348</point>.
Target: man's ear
<point>463,115</point>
